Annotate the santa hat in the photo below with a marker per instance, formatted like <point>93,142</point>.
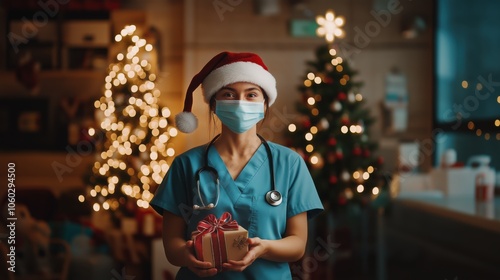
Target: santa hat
<point>224,69</point>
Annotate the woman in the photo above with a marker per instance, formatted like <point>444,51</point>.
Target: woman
<point>239,89</point>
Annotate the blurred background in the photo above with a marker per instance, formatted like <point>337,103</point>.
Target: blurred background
<point>394,106</point>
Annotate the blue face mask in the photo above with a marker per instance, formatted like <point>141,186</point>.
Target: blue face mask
<point>239,115</point>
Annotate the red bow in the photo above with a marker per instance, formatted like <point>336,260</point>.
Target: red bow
<point>216,227</point>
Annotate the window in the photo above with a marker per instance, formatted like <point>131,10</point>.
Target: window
<point>467,79</point>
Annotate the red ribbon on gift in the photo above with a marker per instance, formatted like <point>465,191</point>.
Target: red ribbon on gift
<point>216,227</point>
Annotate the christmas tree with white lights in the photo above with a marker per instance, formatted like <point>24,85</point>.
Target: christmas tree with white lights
<point>134,147</point>
<point>332,134</point>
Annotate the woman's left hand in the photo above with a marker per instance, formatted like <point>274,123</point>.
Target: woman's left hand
<point>256,248</point>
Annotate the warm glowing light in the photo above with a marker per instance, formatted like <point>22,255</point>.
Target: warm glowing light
<point>329,26</point>
<point>470,125</point>
<point>314,159</point>
<point>311,101</point>
<point>465,84</point>
<point>317,80</point>
<point>314,129</point>
<point>292,127</point>
<point>96,207</point>
<point>355,175</point>
<point>309,148</point>
<point>375,191</point>
<point>332,52</point>
<point>315,111</point>
<point>308,136</point>
<point>165,112</point>
<point>307,83</point>
<point>344,129</point>
<point>118,37</point>
<point>366,175</point>
<point>81,198</point>
<point>360,188</point>
<point>348,193</point>
<point>497,122</point>
<point>370,169</point>
<point>359,97</point>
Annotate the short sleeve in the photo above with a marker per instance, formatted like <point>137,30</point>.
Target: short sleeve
<point>171,194</point>
<point>302,194</point>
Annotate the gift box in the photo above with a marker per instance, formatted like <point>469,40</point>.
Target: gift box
<point>219,240</point>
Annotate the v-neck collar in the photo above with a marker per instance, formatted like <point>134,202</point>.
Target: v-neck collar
<point>247,173</point>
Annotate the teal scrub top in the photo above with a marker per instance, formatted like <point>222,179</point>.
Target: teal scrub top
<point>244,198</point>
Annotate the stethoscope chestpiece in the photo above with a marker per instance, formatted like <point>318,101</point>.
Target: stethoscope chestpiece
<point>274,198</point>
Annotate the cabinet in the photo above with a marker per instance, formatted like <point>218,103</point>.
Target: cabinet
<point>51,106</point>
<point>68,40</point>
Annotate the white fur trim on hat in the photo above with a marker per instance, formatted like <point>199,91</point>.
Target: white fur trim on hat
<point>186,122</point>
<point>240,71</point>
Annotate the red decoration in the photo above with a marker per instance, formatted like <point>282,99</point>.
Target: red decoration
<point>345,119</point>
<point>331,157</point>
<point>307,123</point>
<point>380,160</point>
<point>333,179</point>
<point>356,151</point>
<point>341,96</point>
<point>332,141</point>
<point>339,155</point>
<point>366,153</point>
<point>342,200</point>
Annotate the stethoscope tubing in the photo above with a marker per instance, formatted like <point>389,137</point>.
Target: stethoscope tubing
<point>273,197</point>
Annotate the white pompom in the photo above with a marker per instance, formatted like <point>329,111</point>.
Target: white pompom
<point>186,122</point>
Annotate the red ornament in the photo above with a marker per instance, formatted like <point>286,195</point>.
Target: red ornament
<point>333,179</point>
<point>366,153</point>
<point>380,160</point>
<point>356,151</point>
<point>341,96</point>
<point>331,157</point>
<point>332,141</point>
<point>339,155</point>
<point>307,123</point>
<point>345,119</point>
<point>342,200</point>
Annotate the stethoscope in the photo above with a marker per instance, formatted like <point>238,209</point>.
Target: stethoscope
<point>273,197</point>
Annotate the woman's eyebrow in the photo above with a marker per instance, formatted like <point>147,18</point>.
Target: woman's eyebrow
<point>252,89</point>
<point>247,89</point>
<point>227,88</point>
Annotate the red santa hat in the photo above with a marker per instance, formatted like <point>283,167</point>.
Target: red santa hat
<point>222,70</point>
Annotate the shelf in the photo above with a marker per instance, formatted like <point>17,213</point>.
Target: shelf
<point>60,74</point>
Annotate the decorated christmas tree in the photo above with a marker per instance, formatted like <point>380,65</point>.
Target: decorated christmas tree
<point>332,134</point>
<point>134,147</point>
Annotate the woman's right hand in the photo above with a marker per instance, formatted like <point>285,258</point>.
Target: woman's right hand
<point>202,269</point>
